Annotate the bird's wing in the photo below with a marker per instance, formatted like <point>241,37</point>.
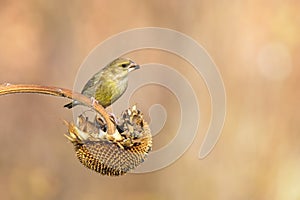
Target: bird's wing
<point>89,88</point>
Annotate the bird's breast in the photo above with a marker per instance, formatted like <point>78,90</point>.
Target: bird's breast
<point>108,92</point>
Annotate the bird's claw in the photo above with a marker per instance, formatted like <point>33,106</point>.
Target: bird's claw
<point>94,101</point>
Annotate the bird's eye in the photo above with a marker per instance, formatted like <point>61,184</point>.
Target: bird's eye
<point>124,65</point>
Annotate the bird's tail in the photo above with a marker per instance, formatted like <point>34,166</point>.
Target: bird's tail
<point>70,105</point>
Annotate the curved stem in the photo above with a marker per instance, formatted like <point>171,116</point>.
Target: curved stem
<point>59,92</point>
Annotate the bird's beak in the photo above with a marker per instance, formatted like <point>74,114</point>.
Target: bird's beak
<point>133,66</point>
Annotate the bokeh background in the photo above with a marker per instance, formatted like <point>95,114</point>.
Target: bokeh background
<point>256,46</point>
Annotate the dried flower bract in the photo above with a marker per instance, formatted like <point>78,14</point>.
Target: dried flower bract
<point>114,154</point>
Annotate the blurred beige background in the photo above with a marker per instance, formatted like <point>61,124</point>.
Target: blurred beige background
<point>256,46</point>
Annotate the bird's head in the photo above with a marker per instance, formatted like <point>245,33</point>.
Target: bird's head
<point>122,66</point>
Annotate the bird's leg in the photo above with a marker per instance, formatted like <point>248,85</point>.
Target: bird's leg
<point>94,101</point>
<point>98,121</point>
<point>113,117</point>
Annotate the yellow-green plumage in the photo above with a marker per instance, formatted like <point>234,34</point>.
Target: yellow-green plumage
<point>108,85</point>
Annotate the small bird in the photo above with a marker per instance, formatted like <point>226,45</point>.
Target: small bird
<point>108,85</point>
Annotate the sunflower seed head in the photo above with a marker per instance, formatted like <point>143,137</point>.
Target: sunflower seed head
<point>115,154</point>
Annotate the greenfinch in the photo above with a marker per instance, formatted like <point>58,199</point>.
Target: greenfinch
<point>108,85</point>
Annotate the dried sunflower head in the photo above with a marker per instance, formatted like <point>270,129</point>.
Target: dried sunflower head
<point>115,154</point>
